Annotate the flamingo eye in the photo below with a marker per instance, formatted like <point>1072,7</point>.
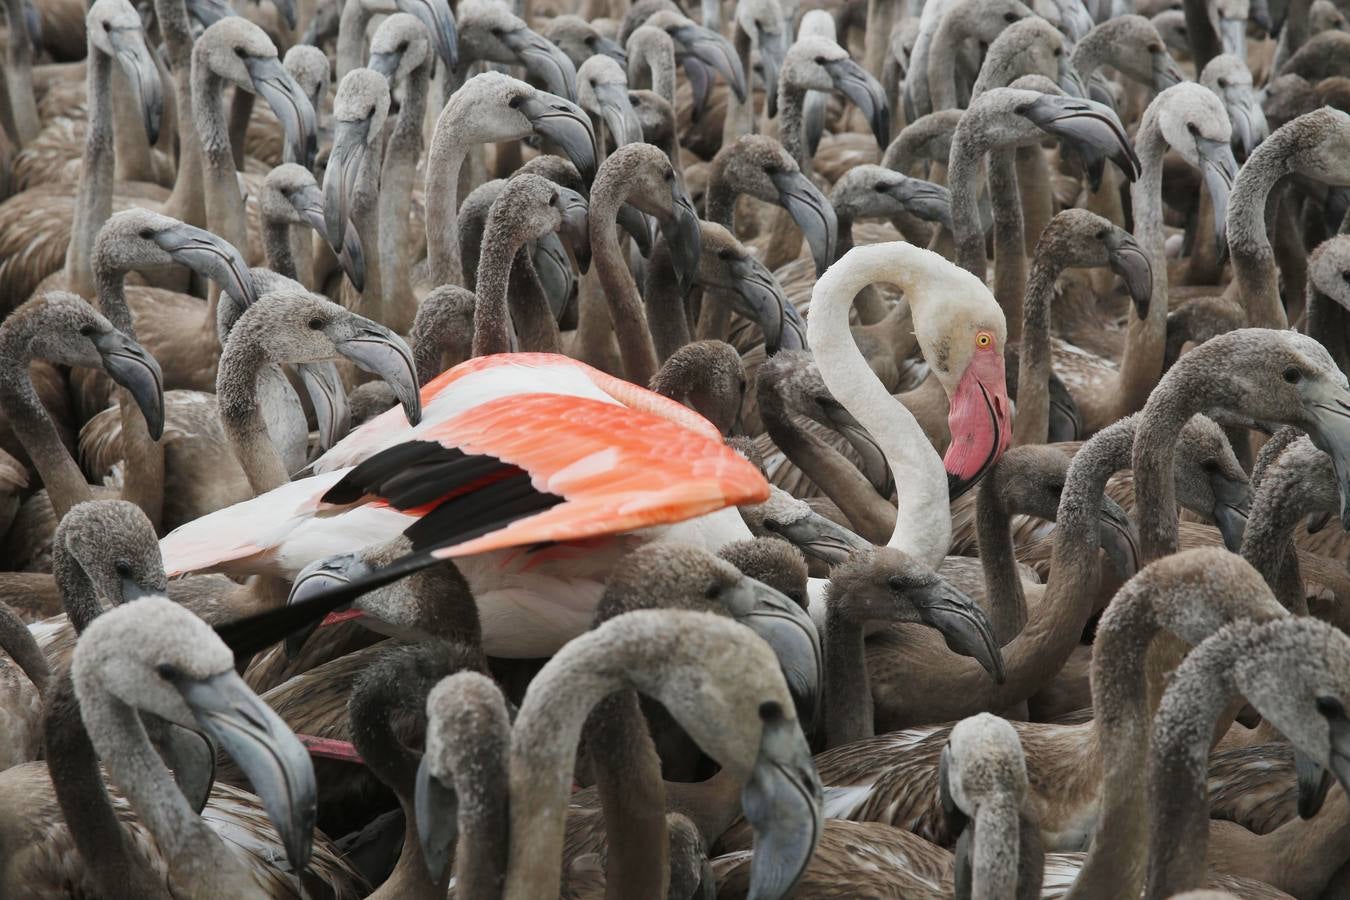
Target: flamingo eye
<point>984,340</point>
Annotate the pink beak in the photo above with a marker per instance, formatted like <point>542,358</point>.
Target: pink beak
<point>329,748</point>
<point>343,615</point>
<point>980,422</point>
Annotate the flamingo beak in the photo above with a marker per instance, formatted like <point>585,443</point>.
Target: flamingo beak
<point>139,67</point>
<point>1127,259</point>
<point>1119,539</point>
<point>930,202</point>
<point>440,24</point>
<point>817,536</point>
<point>783,802</point>
<point>713,50</point>
<point>960,620</point>
<point>554,269</point>
<point>866,93</point>
<point>684,236</point>
<point>761,299</point>
<point>212,257</point>
<point>980,422</point>
<point>377,350</point>
<point>813,213</point>
<point>561,121</point>
<point>323,384</point>
<point>131,365</point>
<point>789,632</point>
<point>290,104</point>
<point>772,52</point>
<point>341,176</point>
<point>544,60</point>
<point>436,808</point>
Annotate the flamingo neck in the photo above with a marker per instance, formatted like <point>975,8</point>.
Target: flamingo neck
<point>1032,423</point>
<point>395,202</point>
<point>93,197</point>
<point>923,525</point>
<point>224,205</point>
<point>442,192</point>
<point>1146,339</point>
<point>186,202</point>
<point>1254,266</point>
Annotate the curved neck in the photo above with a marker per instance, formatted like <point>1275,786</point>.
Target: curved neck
<point>19,643</point>
<point>143,482</point>
<point>444,161</point>
<point>1010,258</point>
<point>241,412</point>
<point>923,527</point>
<point>942,60</point>
<point>963,180</point>
<point>78,785</point>
<point>1146,339</point>
<point>351,42</point>
<point>503,237</point>
<point>187,202</point>
<point>395,202</point>
<point>1031,425</point>
<point>1006,596</point>
<point>535,323</point>
<point>608,193</point>
<point>93,197</point>
<point>790,101</point>
<point>1253,257</point>
<point>195,854</point>
<point>1286,495</point>
<point>1329,324</point>
<point>1178,792</point>
<point>32,424</point>
<point>224,205</point>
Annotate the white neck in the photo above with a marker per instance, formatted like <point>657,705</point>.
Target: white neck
<point>923,523</point>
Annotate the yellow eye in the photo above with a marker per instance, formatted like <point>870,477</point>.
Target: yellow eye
<point>983,340</point>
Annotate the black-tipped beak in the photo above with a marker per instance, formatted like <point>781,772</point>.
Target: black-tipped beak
<point>604,46</point>
<point>1069,81</point>
<point>1119,538</point>
<point>1340,749</point>
<point>1128,260</point>
<point>564,123</point>
<point>713,50</point>
<point>377,350</point>
<point>353,258</point>
<point>316,579</point>
<point>130,365</point>
<point>1327,408</point>
<point>341,176</point>
<point>308,202</point>
<point>436,810</point>
<point>1219,169</point>
<point>139,67</point>
<point>1313,783</point>
<point>930,202</point>
<point>440,24</point>
<point>819,537</point>
<point>1165,71</point>
<point>209,12</point>
<point>331,412</point>
<point>288,101</point>
<point>637,225</point>
<point>874,466</point>
<point>789,632</point>
<point>189,754</point>
<point>385,64</point>
<point>1259,12</point>
<point>616,111</point>
<point>700,80</point>
<point>865,92</point>
<point>575,227</point>
<point>276,763</point>
<point>1090,127</point>
<point>1232,522</point>
<point>772,51</point>
<point>544,60</point>
<point>287,10</point>
<point>684,236</point>
<point>813,213</point>
<point>554,269</point>
<point>962,623</point>
<point>211,257</point>
<point>1249,120</point>
<point>759,297</point>
<point>783,802</point>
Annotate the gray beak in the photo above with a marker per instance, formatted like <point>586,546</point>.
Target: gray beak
<point>331,412</point>
<point>440,24</point>
<point>1313,783</point>
<point>817,536</point>
<point>865,92</point>
<point>960,620</point>
<point>700,79</point>
<point>308,202</point>
<point>133,590</point>
<point>1233,36</point>
<point>131,366</point>
<point>189,754</point>
<point>1232,507</point>
<point>554,269</point>
<point>616,110</point>
<point>1119,538</point>
<point>276,763</point>
<point>212,257</point>
<point>1219,168</point>
<point>564,123</point>
<point>1090,127</point>
<point>32,23</point>
<point>341,176</point>
<point>436,810</point>
<point>209,12</point>
<point>1128,260</point>
<point>930,202</point>
<point>1066,423</point>
<point>1165,71</point>
<point>638,226</point>
<point>814,107</point>
<point>544,60</point>
<point>813,213</point>
<point>789,632</point>
<point>1327,407</point>
<point>287,10</point>
<point>761,299</point>
<point>874,466</point>
<point>604,46</point>
<point>288,101</point>
<point>139,67</point>
<point>772,50</point>
<point>1069,80</point>
<point>353,258</point>
<point>385,64</point>
<point>783,802</point>
<point>1259,12</point>
<point>317,578</point>
<point>1249,120</point>
<point>714,51</point>
<point>684,236</point>
<point>576,226</point>
<point>377,350</point>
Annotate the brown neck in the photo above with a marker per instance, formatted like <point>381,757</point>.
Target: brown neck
<point>625,305</point>
<point>1146,339</point>
<point>1010,257</point>
<point>848,697</point>
<point>1031,425</point>
<point>667,318</point>
<point>187,202</point>
<point>93,197</point>
<point>396,184</point>
<point>536,325</point>
<point>1006,597</point>
<point>240,412</point>
<point>224,205</point>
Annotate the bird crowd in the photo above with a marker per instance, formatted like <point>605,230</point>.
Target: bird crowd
<point>644,449</point>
